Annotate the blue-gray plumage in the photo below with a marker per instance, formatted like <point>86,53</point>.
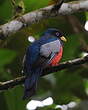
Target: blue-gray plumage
<point>42,53</point>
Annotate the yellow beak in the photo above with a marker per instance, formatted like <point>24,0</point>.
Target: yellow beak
<point>63,39</point>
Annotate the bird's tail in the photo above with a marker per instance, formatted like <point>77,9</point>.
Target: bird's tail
<point>31,84</point>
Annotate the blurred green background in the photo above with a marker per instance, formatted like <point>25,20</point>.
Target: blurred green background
<point>64,86</point>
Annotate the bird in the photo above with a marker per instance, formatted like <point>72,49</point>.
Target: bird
<point>42,53</point>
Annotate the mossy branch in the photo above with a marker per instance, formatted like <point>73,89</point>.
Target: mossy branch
<point>40,14</point>
<point>65,65</point>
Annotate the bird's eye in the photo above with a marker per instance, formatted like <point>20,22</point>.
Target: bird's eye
<point>57,33</point>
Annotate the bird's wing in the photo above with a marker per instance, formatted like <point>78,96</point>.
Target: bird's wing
<point>50,48</point>
<point>40,57</point>
<point>47,52</point>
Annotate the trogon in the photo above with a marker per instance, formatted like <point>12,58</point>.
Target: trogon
<point>47,51</point>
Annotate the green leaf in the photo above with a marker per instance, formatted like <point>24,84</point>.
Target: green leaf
<point>6,56</point>
<point>86,13</point>
<point>71,47</point>
<point>14,99</point>
<point>5,10</point>
<point>86,85</point>
<point>34,4</point>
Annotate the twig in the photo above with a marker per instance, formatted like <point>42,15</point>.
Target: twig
<point>57,5</point>
<point>43,13</point>
<point>65,65</point>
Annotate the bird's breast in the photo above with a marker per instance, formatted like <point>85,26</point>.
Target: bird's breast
<point>48,48</point>
<point>55,61</point>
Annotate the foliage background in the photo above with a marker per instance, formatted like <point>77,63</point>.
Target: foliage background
<point>64,86</point>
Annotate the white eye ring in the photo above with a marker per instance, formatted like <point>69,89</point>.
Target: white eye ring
<point>57,33</point>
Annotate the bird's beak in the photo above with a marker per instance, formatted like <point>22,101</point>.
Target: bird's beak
<point>63,39</point>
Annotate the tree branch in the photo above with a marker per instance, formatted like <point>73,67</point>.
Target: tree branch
<point>43,13</point>
<point>65,65</point>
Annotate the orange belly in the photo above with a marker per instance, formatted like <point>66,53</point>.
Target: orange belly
<point>57,58</point>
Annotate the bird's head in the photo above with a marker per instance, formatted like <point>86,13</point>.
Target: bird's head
<point>57,33</point>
